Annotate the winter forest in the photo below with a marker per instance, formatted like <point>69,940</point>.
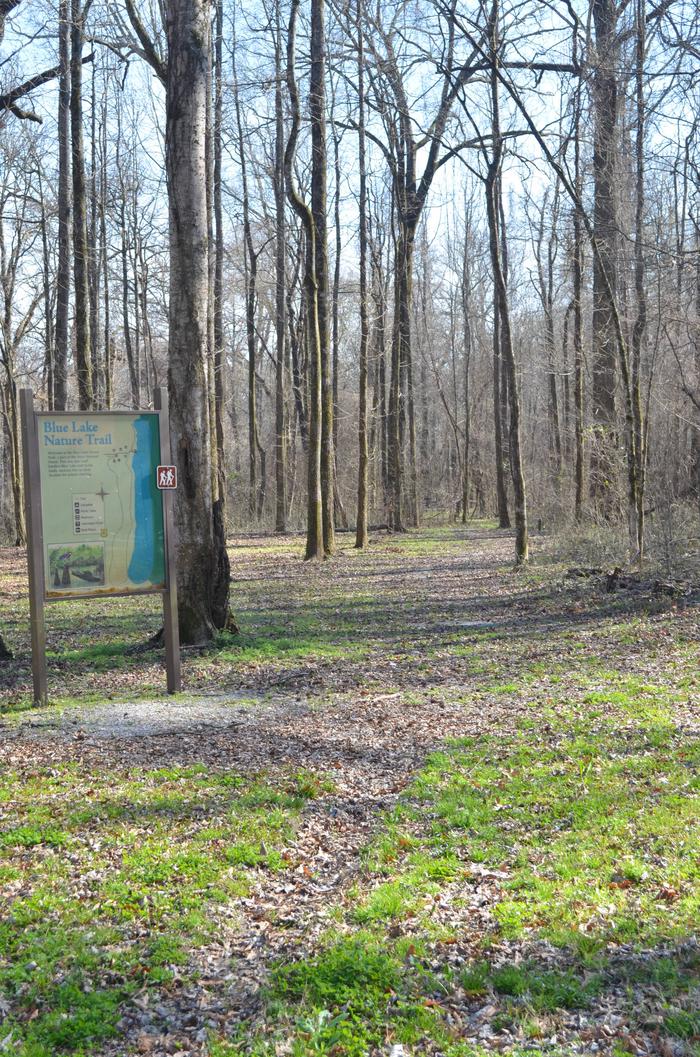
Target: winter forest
<point>404,296</point>
<point>395,261</point>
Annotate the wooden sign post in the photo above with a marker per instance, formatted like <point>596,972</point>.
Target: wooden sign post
<point>98,524</point>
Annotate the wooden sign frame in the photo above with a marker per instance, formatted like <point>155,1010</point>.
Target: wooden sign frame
<point>35,544</point>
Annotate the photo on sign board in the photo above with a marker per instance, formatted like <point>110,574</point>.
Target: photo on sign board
<point>74,565</point>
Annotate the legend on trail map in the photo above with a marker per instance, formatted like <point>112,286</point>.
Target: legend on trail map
<point>102,514</point>
<point>89,513</point>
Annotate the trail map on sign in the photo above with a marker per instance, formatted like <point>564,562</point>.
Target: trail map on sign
<point>102,513</point>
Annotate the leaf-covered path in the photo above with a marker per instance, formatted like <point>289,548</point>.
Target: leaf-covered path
<point>421,801</point>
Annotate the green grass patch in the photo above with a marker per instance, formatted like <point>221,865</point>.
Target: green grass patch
<point>580,824</point>
<point>593,831</point>
<point>114,878</point>
<point>352,996</point>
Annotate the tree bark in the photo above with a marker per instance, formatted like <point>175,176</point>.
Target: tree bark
<point>314,520</point>
<point>203,574</point>
<point>640,322</point>
<point>211,244</point>
<point>60,394</point>
<point>83,358</point>
<point>361,535</point>
<point>317,114</point>
<point>579,464</point>
<point>219,352</point>
<point>250,263</point>
<point>497,251</point>
<point>104,260</point>
<point>606,176</point>
<point>501,491</point>
<point>93,273</point>
<point>467,332</point>
<point>545,271</point>
<point>280,292</point>
<point>49,360</point>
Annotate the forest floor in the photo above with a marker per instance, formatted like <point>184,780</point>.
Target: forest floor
<point>423,804</point>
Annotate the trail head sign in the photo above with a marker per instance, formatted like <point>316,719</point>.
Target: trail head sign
<point>97,521</point>
<point>166,477</point>
<point>101,514</point>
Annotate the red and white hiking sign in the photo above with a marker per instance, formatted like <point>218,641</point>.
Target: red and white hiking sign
<point>166,476</point>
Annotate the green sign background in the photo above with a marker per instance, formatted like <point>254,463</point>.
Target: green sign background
<point>102,514</point>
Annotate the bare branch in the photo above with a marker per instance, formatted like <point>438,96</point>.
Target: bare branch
<point>149,50</point>
<point>8,100</point>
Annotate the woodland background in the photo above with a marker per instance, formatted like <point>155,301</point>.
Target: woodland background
<point>506,220</point>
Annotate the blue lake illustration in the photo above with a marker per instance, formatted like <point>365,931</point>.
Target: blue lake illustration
<point>147,565</point>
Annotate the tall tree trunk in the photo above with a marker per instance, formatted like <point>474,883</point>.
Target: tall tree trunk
<point>317,114</point>
<point>251,274</point>
<point>379,403</point>
<point>136,285</point>
<point>501,492</point>
<point>104,260</point>
<point>606,176</point>
<point>399,380</point>
<point>695,438</point>
<point>412,450</point>
<point>92,256</point>
<point>280,292</point>
<point>203,580</point>
<point>579,465</point>
<point>467,331</point>
<point>11,418</point>
<point>294,327</point>
<point>83,361</point>
<point>361,536</point>
<point>314,520</point>
<point>128,343</point>
<point>545,269</point>
<point>107,340</point>
<point>497,251</point>
<point>640,322</point>
<point>219,352</point>
<point>338,506</point>
<point>131,360</point>
<point>211,243</point>
<point>60,394</point>
<point>46,277</point>
<point>394,461</point>
<point>250,283</point>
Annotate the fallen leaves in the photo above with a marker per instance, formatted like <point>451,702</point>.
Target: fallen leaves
<point>438,631</point>
<point>668,894</point>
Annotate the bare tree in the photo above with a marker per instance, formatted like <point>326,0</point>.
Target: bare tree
<point>280,292</point>
<point>60,393</point>
<point>203,567</point>
<point>314,523</point>
<point>361,537</point>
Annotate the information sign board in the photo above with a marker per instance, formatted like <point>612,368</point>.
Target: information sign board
<point>102,513</point>
<point>97,522</point>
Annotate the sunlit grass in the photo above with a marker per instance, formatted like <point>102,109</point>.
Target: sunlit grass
<point>594,833</point>
<point>112,880</point>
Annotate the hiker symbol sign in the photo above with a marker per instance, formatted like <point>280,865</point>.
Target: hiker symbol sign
<point>166,477</point>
